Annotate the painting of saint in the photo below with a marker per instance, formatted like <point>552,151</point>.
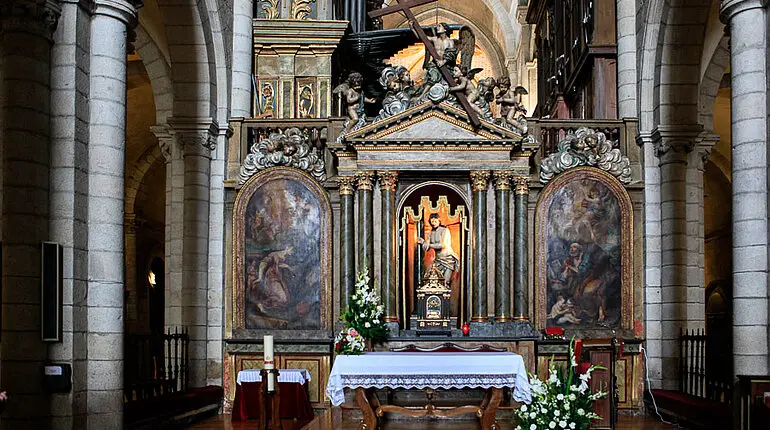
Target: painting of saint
<point>282,256</point>
<point>583,247</point>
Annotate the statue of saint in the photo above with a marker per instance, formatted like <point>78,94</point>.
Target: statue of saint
<point>440,240</point>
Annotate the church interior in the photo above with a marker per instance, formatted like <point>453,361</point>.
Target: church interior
<point>361,214</point>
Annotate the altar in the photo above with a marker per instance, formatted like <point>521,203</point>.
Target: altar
<point>430,371</point>
<point>473,223</point>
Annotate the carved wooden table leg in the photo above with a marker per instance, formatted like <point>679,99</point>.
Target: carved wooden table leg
<point>369,422</point>
<point>489,408</point>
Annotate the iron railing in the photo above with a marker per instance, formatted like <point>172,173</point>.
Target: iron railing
<point>156,365</point>
<point>699,376</point>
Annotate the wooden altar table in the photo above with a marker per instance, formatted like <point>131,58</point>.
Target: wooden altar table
<point>429,371</point>
<point>294,398</point>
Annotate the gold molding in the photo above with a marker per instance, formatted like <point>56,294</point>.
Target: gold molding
<point>347,184</point>
<point>388,180</point>
<point>626,240</point>
<point>238,249</point>
<point>365,180</point>
<point>480,180</point>
<point>502,179</point>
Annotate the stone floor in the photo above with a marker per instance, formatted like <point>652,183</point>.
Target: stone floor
<point>332,420</point>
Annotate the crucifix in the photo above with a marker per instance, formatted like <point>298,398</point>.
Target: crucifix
<point>404,6</point>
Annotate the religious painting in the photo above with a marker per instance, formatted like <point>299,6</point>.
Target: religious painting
<point>266,98</point>
<point>282,239</point>
<point>584,240</point>
<point>433,230</point>
<point>306,96</point>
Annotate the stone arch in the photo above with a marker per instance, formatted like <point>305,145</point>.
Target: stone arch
<point>709,84</point>
<point>159,72</point>
<point>138,172</point>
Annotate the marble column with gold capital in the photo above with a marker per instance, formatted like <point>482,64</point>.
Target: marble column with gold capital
<point>502,181</point>
<point>347,239</point>
<point>520,257</point>
<point>365,185</point>
<point>479,182</point>
<point>388,181</point>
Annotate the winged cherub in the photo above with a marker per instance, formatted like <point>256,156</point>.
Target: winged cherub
<point>512,110</point>
<point>464,79</point>
<point>354,98</point>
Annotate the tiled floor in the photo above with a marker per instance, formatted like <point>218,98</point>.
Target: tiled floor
<point>332,420</point>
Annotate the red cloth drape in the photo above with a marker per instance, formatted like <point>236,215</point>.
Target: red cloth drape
<point>294,401</point>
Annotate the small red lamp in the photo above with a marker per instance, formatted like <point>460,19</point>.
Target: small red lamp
<point>466,328</point>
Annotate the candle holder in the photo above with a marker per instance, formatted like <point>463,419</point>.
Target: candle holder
<point>270,403</point>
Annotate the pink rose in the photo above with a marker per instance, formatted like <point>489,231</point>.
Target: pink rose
<point>352,332</point>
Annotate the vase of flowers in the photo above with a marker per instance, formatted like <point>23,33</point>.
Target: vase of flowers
<point>563,401</point>
<point>349,342</point>
<point>364,312</point>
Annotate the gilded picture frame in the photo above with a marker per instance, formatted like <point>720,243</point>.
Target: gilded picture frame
<point>239,269</point>
<point>605,182</point>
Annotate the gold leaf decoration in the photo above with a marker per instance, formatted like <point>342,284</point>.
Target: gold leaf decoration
<point>301,9</point>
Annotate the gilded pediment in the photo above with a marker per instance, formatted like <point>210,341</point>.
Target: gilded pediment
<point>431,122</point>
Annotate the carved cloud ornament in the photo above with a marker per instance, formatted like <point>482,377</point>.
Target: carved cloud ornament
<point>289,148</point>
<point>586,147</point>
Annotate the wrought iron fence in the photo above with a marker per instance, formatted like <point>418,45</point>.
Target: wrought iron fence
<point>156,365</point>
<point>700,374</point>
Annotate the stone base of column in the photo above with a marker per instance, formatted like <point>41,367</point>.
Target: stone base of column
<point>503,319</point>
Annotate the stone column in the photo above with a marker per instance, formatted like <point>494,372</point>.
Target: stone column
<point>388,182</point>
<point>520,253</point>
<point>25,55</point>
<point>131,299</point>
<point>480,182</point>
<point>502,245</point>
<point>106,165</point>
<point>673,145</point>
<point>197,138</point>
<point>365,184</point>
<point>747,20</point>
<point>243,33</point>
<point>347,239</point>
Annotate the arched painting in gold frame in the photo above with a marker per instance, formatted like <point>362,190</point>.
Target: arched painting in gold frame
<point>584,249</point>
<point>282,223</point>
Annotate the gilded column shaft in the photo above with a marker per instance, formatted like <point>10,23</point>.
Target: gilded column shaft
<point>502,246</point>
<point>347,239</point>
<point>388,264</point>
<point>479,242</point>
<point>365,183</point>
<point>521,248</point>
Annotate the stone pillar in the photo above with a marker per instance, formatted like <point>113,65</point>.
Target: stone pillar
<point>174,225</point>
<point>502,245</point>
<point>243,33</point>
<point>480,182</point>
<point>25,55</point>
<point>197,139</point>
<point>696,245</point>
<point>520,253</point>
<point>673,145</point>
<point>388,182</point>
<point>747,20</point>
<point>347,240</point>
<point>626,36</point>
<point>365,184</point>
<point>106,165</point>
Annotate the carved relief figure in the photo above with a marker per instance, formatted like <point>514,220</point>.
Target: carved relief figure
<point>512,111</point>
<point>305,102</point>
<point>266,101</point>
<point>464,78</point>
<point>354,99</point>
<point>440,241</point>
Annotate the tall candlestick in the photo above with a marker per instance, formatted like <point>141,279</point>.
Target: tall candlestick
<point>271,381</point>
<point>269,356</point>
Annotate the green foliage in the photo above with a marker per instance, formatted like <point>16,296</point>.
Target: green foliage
<point>364,311</point>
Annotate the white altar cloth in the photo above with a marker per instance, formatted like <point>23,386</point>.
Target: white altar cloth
<point>299,376</point>
<point>429,370</point>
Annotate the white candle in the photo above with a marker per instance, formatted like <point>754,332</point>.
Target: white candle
<point>269,356</point>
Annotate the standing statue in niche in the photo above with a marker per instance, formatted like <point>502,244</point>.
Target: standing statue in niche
<point>440,241</point>
<point>354,99</point>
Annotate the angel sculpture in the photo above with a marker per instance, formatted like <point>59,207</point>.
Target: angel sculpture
<point>354,98</point>
<point>448,48</point>
<point>464,79</point>
<point>512,111</point>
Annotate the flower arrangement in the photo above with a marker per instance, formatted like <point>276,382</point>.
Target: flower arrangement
<point>564,401</point>
<point>364,312</point>
<point>349,342</point>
